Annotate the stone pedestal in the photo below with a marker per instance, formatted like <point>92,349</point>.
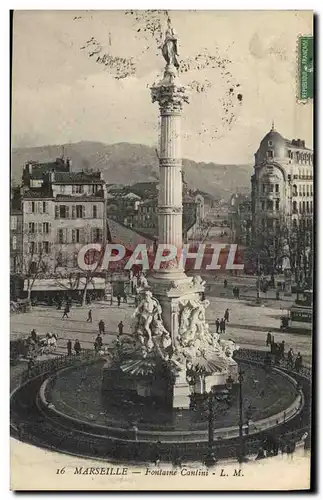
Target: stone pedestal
<point>181,392</point>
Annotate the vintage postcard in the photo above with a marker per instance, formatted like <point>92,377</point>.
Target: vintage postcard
<point>161,250</point>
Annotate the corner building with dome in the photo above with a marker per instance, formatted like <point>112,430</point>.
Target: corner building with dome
<point>281,185</point>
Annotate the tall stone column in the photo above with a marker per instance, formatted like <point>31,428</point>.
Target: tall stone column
<point>170,95</point>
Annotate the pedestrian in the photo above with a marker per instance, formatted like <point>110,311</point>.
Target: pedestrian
<point>99,341</point>
<point>282,349</point>
<point>120,327</point>
<point>298,362</point>
<point>101,326</point>
<point>77,347</point>
<point>277,294</point>
<point>226,315</point>
<point>268,340</point>
<point>89,316</point>
<point>69,348</point>
<point>33,335</point>
<point>66,311</point>
<point>225,283</point>
<point>238,292</point>
<point>119,300</point>
<point>125,299</point>
<point>111,299</point>
<point>222,326</point>
<point>290,358</point>
<point>217,325</point>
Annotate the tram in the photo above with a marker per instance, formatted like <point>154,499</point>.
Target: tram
<point>300,315</point>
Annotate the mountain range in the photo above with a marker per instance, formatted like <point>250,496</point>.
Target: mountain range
<point>126,163</point>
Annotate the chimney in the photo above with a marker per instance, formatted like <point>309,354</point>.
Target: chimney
<point>52,176</point>
<point>30,168</point>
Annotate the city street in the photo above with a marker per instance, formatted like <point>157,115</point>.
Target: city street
<point>248,324</point>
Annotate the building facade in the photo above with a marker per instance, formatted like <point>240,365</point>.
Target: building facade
<point>240,219</point>
<point>62,211</point>
<point>282,185</point>
<point>16,239</point>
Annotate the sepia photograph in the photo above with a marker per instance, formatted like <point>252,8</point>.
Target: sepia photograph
<point>161,250</point>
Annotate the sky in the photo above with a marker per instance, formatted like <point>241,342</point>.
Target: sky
<point>241,73</point>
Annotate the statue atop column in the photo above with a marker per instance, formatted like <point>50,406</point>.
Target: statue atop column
<point>169,48</point>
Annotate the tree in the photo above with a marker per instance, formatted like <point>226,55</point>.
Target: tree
<point>301,250</point>
<point>287,238</point>
<point>35,263</point>
<point>268,246</point>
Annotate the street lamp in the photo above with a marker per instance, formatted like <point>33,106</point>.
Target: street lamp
<point>241,456</point>
<point>210,459</point>
<point>258,280</point>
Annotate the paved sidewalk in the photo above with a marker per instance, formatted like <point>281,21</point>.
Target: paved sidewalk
<point>248,324</point>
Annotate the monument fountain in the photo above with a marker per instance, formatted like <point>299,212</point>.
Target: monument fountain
<point>172,353</point>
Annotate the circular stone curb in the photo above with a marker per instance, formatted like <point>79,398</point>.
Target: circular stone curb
<point>119,433</point>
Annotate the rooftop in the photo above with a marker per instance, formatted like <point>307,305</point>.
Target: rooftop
<point>39,193</point>
<point>78,178</point>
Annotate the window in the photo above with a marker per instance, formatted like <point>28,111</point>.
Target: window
<point>46,227</point>
<point>307,206</point>
<point>32,247</point>
<point>95,211</point>
<point>44,207</point>
<point>31,227</point>
<point>311,207</point>
<point>270,188</point>
<point>96,234</point>
<point>76,235</point>
<point>303,207</point>
<point>295,206</point>
<point>277,188</point>
<point>263,205</point>
<point>14,243</point>
<point>78,189</point>
<point>46,246</point>
<point>263,189</point>
<point>33,207</point>
<point>300,207</point>
<point>270,153</point>
<point>277,205</point>
<point>294,190</point>
<point>62,211</point>
<point>270,205</point>
<point>270,223</point>
<point>79,211</point>
<point>60,236</point>
<point>13,222</point>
